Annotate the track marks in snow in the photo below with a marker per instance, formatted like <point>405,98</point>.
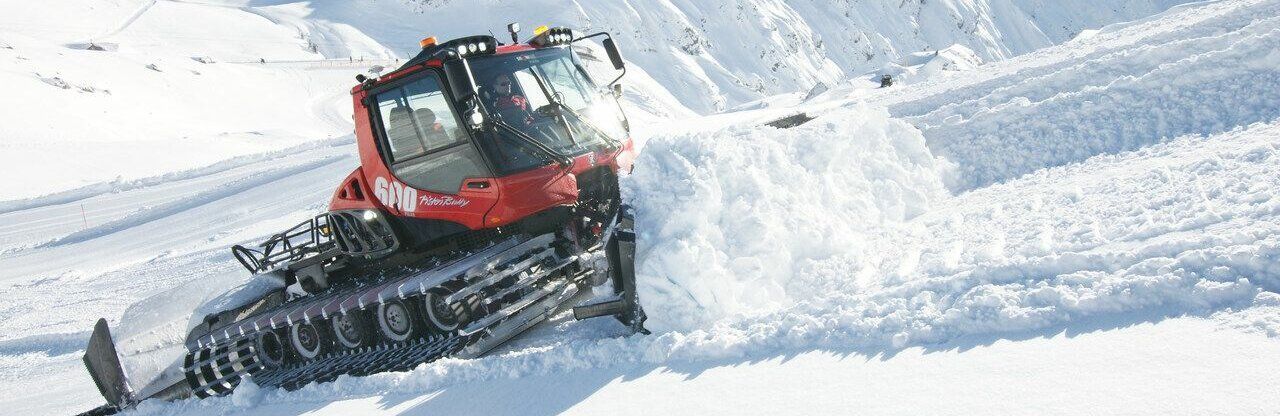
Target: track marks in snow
<point>50,344</point>
<point>1200,70</point>
<point>149,214</point>
<point>1179,24</point>
<point>89,191</point>
<point>127,21</point>
<point>1195,95</point>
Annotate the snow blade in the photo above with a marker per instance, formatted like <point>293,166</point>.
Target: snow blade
<point>615,306</point>
<point>625,305</point>
<point>103,363</point>
<point>623,255</point>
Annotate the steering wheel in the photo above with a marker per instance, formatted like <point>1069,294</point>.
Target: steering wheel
<point>547,111</point>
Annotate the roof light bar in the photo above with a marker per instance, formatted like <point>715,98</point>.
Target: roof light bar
<point>472,46</point>
<point>551,37</point>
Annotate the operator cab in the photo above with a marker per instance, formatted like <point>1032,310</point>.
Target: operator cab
<point>472,134</point>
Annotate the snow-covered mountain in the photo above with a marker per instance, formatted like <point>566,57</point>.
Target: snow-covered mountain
<point>716,55</point>
<point>1051,217</point>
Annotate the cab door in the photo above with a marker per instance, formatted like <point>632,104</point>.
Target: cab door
<point>432,170</point>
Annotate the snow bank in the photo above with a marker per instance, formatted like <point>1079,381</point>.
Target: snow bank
<point>728,219</point>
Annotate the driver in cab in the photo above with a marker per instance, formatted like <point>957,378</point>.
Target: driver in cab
<point>509,105</point>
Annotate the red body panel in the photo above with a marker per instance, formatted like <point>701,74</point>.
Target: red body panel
<point>528,192</point>
<point>353,194</point>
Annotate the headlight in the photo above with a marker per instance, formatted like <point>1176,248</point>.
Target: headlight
<point>370,215</point>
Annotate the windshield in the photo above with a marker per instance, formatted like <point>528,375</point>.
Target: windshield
<point>546,95</point>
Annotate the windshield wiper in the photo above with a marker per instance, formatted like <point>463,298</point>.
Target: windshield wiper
<point>556,156</point>
<point>589,124</point>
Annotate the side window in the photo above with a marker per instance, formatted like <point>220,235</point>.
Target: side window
<point>417,119</point>
<point>429,149</point>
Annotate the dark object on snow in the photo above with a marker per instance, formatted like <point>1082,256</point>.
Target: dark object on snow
<point>104,366</point>
<point>790,121</point>
<point>95,47</point>
<point>886,81</point>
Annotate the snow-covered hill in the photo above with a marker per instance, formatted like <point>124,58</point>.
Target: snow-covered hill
<point>716,55</point>
<point>1088,228</point>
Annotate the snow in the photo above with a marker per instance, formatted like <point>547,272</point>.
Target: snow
<point>731,221</point>
<point>1086,228</point>
<point>1042,374</point>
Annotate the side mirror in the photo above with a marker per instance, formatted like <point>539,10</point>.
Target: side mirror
<point>614,56</point>
<point>617,91</point>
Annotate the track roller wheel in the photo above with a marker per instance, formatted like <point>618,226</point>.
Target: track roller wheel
<point>439,314</point>
<point>394,320</point>
<point>349,330</point>
<point>270,349</point>
<point>468,309</point>
<point>306,340</point>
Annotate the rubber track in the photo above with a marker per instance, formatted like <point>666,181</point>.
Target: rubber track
<point>361,362</point>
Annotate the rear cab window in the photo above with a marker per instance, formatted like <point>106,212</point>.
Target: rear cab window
<point>428,148</point>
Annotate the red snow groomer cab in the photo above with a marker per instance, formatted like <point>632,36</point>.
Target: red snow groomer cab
<point>486,197</point>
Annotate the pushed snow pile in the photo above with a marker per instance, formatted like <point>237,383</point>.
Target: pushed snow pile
<point>729,219</point>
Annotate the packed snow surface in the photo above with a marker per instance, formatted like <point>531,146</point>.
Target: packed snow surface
<point>1032,235</point>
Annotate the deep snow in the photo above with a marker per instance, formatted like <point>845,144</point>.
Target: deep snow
<point>1087,228</point>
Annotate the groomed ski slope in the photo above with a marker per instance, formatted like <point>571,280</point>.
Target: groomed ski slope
<point>1092,228</point>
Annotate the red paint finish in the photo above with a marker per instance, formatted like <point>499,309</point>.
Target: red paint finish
<point>527,193</point>
<point>353,194</point>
